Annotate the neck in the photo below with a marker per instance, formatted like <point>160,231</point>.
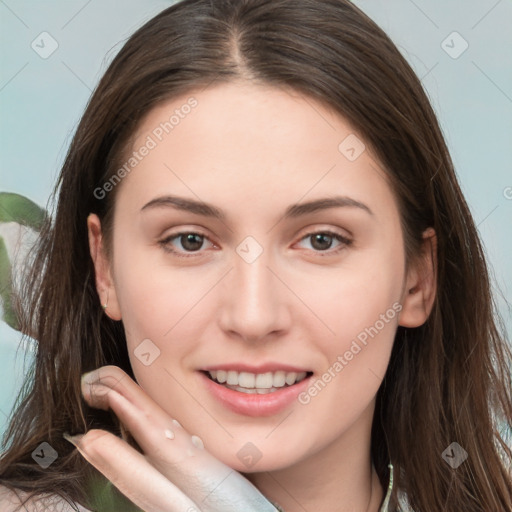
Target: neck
<point>338,478</point>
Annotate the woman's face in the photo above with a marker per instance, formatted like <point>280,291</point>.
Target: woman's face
<point>257,237</point>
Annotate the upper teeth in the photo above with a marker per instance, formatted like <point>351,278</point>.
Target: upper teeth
<point>257,380</point>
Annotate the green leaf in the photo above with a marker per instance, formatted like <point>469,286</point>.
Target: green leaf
<point>104,497</point>
<point>18,208</point>
<point>6,287</point>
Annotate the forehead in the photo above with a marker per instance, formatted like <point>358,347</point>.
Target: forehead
<point>251,145</point>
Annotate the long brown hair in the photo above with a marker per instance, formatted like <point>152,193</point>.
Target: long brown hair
<point>447,381</point>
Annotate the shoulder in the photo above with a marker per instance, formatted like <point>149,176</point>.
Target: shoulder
<point>11,501</point>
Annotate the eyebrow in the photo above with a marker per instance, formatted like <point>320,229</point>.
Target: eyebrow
<point>293,211</point>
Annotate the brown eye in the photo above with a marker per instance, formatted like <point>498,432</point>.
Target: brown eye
<point>191,241</point>
<point>324,241</point>
<point>321,241</point>
<point>186,243</point>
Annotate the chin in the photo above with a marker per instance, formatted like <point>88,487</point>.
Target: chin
<point>249,460</point>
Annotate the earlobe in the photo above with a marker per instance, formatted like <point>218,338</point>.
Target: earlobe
<point>103,275</point>
<point>420,284</point>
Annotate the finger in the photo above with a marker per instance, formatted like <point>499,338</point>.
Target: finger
<point>105,388</point>
<point>196,472</point>
<point>153,434</point>
<point>115,378</point>
<point>178,456</point>
<point>131,473</point>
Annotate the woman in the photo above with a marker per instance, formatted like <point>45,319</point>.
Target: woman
<point>262,254</point>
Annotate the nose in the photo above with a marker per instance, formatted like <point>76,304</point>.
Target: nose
<point>254,305</point>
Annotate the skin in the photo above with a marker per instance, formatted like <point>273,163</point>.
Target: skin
<point>252,151</point>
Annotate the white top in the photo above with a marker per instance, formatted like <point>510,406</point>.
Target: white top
<point>51,503</point>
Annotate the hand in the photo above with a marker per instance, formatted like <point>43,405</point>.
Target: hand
<point>175,473</point>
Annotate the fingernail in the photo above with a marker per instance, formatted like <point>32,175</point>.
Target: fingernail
<point>74,440</point>
<point>197,442</point>
<point>96,394</point>
<point>90,377</point>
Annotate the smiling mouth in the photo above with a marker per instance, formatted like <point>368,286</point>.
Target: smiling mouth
<point>252,383</point>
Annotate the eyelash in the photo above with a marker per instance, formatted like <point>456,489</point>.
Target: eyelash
<point>344,242</point>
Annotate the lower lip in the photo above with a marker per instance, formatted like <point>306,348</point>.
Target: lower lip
<point>254,404</point>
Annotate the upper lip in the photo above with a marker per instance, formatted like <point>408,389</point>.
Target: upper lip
<point>263,368</point>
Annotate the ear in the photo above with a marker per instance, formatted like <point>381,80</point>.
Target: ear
<point>104,281</point>
<point>420,284</point>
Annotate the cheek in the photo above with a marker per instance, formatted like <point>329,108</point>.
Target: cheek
<point>155,299</point>
<point>361,295</point>
<point>360,315</point>
<point>169,307</point>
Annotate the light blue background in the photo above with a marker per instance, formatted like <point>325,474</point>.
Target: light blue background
<point>41,101</point>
